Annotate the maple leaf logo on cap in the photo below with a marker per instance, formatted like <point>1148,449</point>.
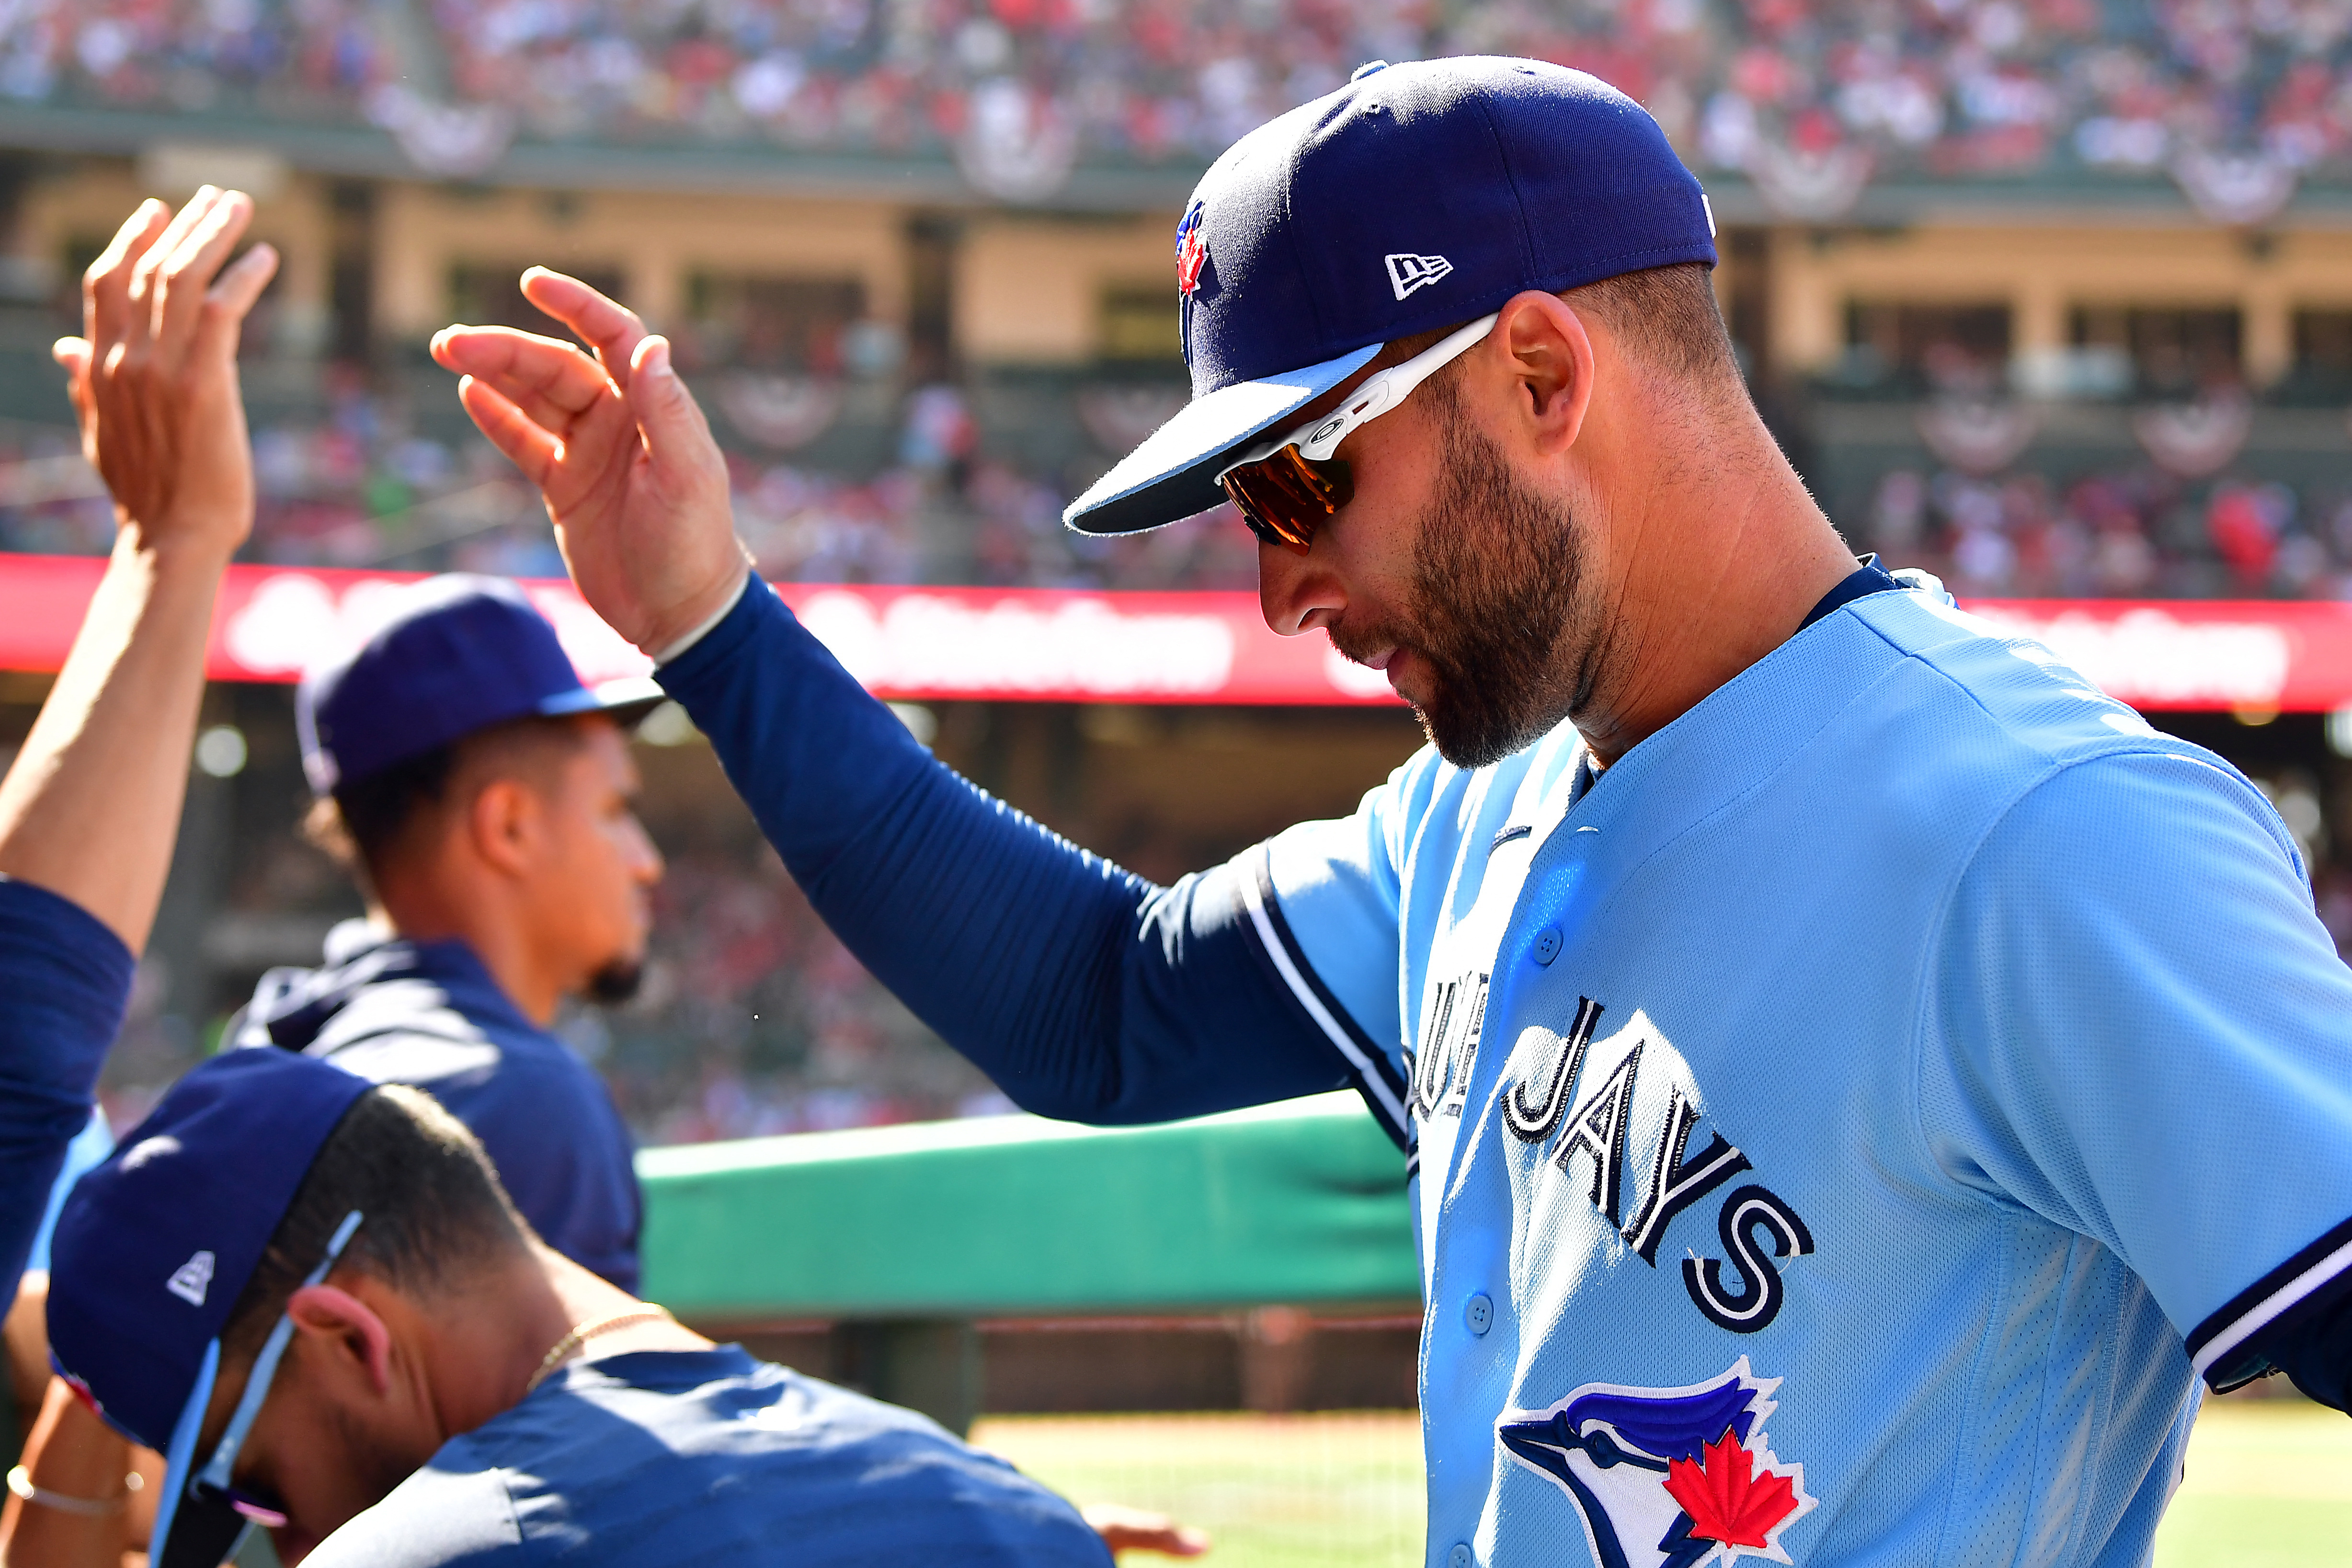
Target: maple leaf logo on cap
<point>1191,252</point>
<point>1726,1498</point>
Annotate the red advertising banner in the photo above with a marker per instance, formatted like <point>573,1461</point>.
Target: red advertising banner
<point>1066,645</point>
<point>1051,645</point>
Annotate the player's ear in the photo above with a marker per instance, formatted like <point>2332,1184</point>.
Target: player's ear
<point>1540,343</point>
<point>506,821</point>
<point>346,1337</point>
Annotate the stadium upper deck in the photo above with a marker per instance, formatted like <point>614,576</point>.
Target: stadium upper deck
<point>1805,109</point>
<point>2053,295</point>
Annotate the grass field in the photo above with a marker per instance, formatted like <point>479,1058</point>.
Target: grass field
<point>1275,1492</point>
<point>2269,1483</point>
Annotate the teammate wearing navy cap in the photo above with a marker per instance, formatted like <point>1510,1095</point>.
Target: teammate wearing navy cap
<point>481,795</point>
<point>91,806</point>
<point>1859,1078</point>
<point>311,1294</point>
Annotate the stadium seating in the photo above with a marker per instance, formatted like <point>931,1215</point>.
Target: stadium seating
<point>1810,99</point>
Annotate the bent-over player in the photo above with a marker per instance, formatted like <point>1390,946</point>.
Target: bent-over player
<point>311,1294</point>
<point>1861,1078</point>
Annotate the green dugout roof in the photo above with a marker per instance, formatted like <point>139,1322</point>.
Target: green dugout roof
<point>1303,1203</point>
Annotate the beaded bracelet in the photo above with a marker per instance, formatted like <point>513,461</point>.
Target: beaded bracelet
<point>20,1481</point>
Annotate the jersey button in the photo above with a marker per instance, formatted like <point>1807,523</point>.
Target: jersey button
<point>1478,1313</point>
<point>1546,945</point>
<point>1460,1556</point>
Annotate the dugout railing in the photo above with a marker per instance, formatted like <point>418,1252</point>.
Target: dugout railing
<point>890,1256</point>
<point>1215,1319</point>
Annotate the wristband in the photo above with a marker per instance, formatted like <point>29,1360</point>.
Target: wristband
<point>681,645</point>
<point>20,1481</point>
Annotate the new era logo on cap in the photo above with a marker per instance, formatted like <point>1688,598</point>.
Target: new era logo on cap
<point>192,1279</point>
<point>1408,272</point>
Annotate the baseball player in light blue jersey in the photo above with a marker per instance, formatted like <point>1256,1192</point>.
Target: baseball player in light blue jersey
<point>1858,1077</point>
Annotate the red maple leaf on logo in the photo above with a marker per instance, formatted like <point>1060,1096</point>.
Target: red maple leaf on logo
<point>1191,254</point>
<point>1726,1500</point>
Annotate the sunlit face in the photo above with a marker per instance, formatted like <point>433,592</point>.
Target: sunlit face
<point>590,891</point>
<point>1448,573</point>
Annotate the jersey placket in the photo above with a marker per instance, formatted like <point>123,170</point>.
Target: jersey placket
<point>1471,1329</point>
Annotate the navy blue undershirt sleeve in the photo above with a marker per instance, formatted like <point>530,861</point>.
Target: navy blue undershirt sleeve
<point>65,979</point>
<point>1085,992</point>
<point>2315,1352</point>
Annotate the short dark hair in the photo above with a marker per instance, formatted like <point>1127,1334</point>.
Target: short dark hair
<point>431,1205</point>
<point>1667,315</point>
<point>1670,317</point>
<point>364,824</point>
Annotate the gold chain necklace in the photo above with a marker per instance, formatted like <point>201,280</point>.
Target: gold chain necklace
<point>583,1332</point>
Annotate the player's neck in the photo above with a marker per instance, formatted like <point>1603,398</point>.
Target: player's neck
<point>477,912</point>
<point>494,1339</point>
<point>1716,565</point>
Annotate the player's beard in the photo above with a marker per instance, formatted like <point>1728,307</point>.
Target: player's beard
<point>1496,568</point>
<point>617,982</point>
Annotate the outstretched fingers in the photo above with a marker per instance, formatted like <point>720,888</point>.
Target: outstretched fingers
<point>184,278</point>
<point>74,355</point>
<point>527,445</point>
<point>550,380</point>
<point>148,275</point>
<point>225,306</point>
<point>568,459</point>
<point>106,286</point>
<point>610,327</point>
<point>677,436</point>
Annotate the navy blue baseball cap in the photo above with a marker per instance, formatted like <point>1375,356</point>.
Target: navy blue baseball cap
<point>152,1249</point>
<point>458,652</point>
<point>1417,197</point>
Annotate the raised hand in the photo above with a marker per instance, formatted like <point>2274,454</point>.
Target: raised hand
<point>633,479</point>
<point>91,804</point>
<point>154,377</point>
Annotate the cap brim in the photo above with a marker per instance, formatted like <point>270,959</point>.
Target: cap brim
<point>627,699</point>
<point>194,1532</point>
<point>1173,473</point>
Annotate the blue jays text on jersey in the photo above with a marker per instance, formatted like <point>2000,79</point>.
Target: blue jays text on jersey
<point>1826,1044</point>
<point>1856,1054</point>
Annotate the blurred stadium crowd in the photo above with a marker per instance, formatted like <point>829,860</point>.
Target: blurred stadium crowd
<point>853,462</point>
<point>362,489</point>
<point>1807,102</point>
<point>1944,88</point>
<point>2129,533</point>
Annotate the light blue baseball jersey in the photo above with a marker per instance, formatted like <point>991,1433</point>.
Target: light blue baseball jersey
<point>1839,1121</point>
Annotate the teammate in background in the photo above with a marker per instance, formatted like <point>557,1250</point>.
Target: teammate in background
<point>310,1293</point>
<point>480,794</point>
<point>91,807</point>
<point>1860,1077</point>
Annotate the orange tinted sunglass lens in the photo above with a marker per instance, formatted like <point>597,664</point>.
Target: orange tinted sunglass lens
<point>1285,496</point>
<point>1240,492</point>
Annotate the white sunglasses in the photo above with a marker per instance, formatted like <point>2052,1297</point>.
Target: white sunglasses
<point>1285,488</point>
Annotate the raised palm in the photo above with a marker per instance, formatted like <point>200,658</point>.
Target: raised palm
<point>633,479</point>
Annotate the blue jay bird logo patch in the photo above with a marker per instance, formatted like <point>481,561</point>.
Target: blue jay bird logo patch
<point>1667,1478</point>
